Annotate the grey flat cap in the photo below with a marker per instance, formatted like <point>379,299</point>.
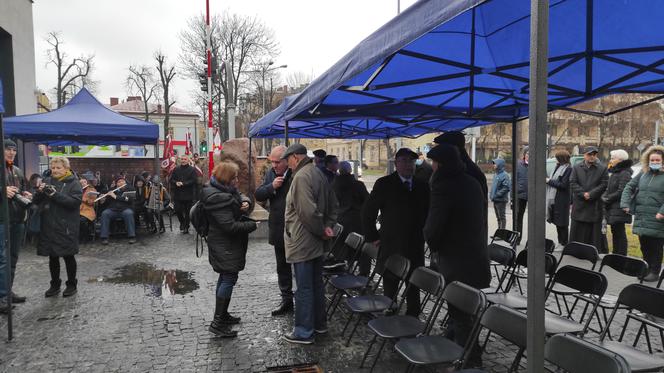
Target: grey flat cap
<point>294,149</point>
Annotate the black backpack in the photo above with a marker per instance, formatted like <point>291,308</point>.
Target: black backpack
<point>199,220</point>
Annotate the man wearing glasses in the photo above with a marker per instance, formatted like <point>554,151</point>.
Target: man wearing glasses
<point>274,189</point>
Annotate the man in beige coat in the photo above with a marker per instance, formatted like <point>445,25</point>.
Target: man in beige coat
<point>310,215</point>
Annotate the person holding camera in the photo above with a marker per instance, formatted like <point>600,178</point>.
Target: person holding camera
<point>19,201</point>
<point>59,198</point>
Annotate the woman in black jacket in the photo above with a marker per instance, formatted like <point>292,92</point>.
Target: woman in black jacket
<point>558,198</point>
<point>59,199</point>
<point>227,239</point>
<point>620,173</point>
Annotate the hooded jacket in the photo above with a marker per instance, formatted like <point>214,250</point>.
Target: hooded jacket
<point>649,199</point>
<point>502,183</point>
<point>620,175</point>
<point>311,206</point>
<point>228,237</point>
<point>454,220</point>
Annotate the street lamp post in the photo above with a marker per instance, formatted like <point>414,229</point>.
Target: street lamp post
<point>265,69</point>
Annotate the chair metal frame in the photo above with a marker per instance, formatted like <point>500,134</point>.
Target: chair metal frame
<point>560,348</point>
<point>579,251</point>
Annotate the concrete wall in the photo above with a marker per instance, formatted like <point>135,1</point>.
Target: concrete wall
<point>19,77</point>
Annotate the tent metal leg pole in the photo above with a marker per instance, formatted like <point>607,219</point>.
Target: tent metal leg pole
<point>515,160</point>
<point>4,210</point>
<point>286,134</point>
<point>251,172</point>
<point>537,130</point>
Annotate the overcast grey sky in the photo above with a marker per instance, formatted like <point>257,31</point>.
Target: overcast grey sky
<point>313,34</point>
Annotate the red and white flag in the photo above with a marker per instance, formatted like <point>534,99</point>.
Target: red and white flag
<point>168,160</point>
<point>216,142</point>
<point>189,146</point>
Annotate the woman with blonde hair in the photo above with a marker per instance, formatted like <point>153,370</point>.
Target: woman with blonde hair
<point>620,173</point>
<point>59,199</point>
<point>227,239</point>
<point>643,197</point>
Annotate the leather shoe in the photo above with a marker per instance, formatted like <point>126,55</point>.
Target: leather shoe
<point>18,298</point>
<point>286,306</point>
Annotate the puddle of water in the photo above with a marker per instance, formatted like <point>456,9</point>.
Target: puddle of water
<point>157,282</point>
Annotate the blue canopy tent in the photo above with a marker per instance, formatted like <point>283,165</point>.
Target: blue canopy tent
<point>82,121</point>
<point>449,64</point>
<point>443,62</point>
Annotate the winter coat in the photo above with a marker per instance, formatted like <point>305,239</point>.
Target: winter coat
<point>58,235</point>
<point>402,217</point>
<point>559,214</point>
<point>17,212</point>
<point>228,235</point>
<point>502,183</point>
<point>649,202</point>
<point>454,218</point>
<point>87,208</point>
<point>277,199</point>
<point>594,180</point>
<point>311,206</point>
<point>187,175</point>
<point>351,195</point>
<point>121,202</point>
<point>522,180</point>
<point>620,175</point>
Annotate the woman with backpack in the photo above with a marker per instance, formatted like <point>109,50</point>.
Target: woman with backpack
<point>227,239</point>
<point>643,197</point>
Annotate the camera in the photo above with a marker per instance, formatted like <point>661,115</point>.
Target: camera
<point>49,190</point>
<point>22,201</point>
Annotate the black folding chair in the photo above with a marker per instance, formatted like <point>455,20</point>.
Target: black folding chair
<point>520,273</point>
<point>644,303</point>
<point>509,324</point>
<point>661,278</point>
<point>580,251</point>
<point>350,248</point>
<point>395,327</point>
<point>500,256</point>
<point>576,355</point>
<point>437,349</point>
<point>626,265</point>
<point>343,284</point>
<point>366,305</point>
<point>582,281</point>
<point>502,238</point>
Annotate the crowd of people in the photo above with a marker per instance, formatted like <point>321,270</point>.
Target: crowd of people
<point>60,209</point>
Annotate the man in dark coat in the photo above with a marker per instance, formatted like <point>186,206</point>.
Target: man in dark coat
<point>455,217</point>
<point>456,138</point>
<point>423,170</point>
<point>16,188</point>
<point>351,195</point>
<point>403,203</point>
<point>620,170</point>
<point>183,188</point>
<point>274,189</point>
<point>331,166</point>
<point>118,205</point>
<point>588,182</point>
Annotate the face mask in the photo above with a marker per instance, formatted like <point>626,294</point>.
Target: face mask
<point>419,162</point>
<point>655,166</point>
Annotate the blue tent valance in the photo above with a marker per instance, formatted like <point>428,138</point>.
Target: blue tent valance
<point>82,121</point>
<point>443,64</point>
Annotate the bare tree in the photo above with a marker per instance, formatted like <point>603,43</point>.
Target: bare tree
<point>141,81</point>
<point>298,81</point>
<point>241,42</point>
<point>71,74</point>
<point>166,75</point>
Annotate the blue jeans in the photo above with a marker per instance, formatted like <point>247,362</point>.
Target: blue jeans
<point>225,284</point>
<point>16,233</point>
<point>309,298</point>
<point>109,215</point>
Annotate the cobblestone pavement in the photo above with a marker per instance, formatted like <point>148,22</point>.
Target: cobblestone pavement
<point>129,317</point>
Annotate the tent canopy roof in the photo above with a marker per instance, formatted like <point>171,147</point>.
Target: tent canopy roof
<point>83,120</point>
<point>445,64</point>
<point>2,99</point>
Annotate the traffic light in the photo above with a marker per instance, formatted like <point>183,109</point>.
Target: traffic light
<point>203,147</point>
<point>203,78</point>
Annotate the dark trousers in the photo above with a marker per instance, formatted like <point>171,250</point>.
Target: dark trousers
<point>563,234</point>
<point>390,289</point>
<point>182,211</point>
<point>16,237</point>
<point>619,237</point>
<point>225,284</point>
<point>651,247</point>
<point>521,210</point>
<point>459,328</point>
<point>588,233</point>
<point>70,264</point>
<point>499,208</point>
<point>284,273</point>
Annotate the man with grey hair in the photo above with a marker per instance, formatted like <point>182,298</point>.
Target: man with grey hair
<point>274,189</point>
<point>309,217</point>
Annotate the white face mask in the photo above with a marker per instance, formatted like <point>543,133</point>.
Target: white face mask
<point>419,162</point>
